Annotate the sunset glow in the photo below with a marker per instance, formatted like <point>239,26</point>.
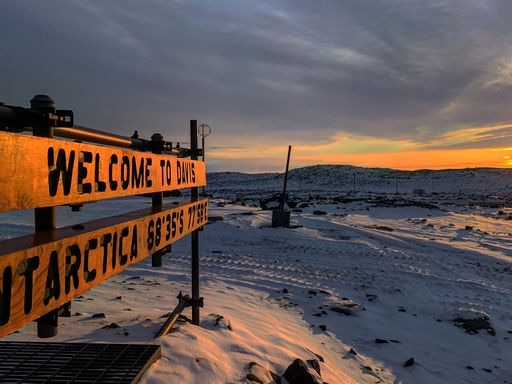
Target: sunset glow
<point>439,153</point>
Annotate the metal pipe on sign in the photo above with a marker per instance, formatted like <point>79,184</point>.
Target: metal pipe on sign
<point>8,115</point>
<point>182,304</point>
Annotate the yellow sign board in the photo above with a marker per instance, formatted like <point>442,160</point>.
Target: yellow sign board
<point>39,172</point>
<point>41,272</point>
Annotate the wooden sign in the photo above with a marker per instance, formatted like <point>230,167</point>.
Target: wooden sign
<point>39,172</point>
<point>40,272</point>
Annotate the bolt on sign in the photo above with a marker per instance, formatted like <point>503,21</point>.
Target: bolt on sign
<point>40,172</point>
<point>42,271</point>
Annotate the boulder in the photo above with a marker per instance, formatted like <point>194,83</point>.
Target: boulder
<point>299,373</point>
<point>261,375</point>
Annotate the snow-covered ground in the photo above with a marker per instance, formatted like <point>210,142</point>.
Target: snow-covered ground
<point>367,281</point>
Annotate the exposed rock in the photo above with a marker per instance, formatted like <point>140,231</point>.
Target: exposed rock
<point>212,219</point>
<point>353,351</point>
<point>319,213</point>
<point>220,321</point>
<point>261,375</point>
<point>315,364</point>
<point>381,341</point>
<point>111,326</point>
<point>348,308</point>
<point>299,373</point>
<point>409,362</point>
<point>383,228</point>
<point>473,325</point>
<point>371,297</point>
<point>323,327</point>
<point>319,357</point>
<point>98,316</point>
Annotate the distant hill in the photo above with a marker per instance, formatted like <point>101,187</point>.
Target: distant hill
<point>339,179</point>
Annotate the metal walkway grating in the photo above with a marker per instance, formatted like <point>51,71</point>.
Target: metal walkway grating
<point>77,363</point>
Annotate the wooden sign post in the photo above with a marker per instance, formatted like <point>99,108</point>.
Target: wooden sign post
<point>40,273</point>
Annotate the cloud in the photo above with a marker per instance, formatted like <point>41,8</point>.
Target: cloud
<point>268,71</point>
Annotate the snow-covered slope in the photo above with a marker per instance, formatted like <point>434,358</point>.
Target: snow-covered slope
<point>367,280</point>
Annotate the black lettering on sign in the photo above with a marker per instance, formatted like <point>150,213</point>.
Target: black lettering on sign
<point>123,257</point>
<point>137,174</point>
<point>165,169</point>
<point>5,296</point>
<point>147,172</point>
<point>89,275</point>
<point>72,267</point>
<point>185,172</point>
<point>58,169</point>
<point>26,268</point>
<point>168,172</point>
<point>135,244</point>
<point>52,288</point>
<point>167,227</point>
<point>174,223</point>
<point>178,172</point>
<point>158,231</point>
<point>99,186</point>
<point>112,183</point>
<point>84,157</point>
<point>162,165</point>
<point>114,250</point>
<point>151,235</point>
<point>125,172</point>
<point>105,240</point>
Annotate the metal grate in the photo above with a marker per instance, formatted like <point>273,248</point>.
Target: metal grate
<point>78,363</point>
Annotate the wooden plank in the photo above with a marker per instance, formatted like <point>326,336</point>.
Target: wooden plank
<point>40,272</point>
<point>39,172</point>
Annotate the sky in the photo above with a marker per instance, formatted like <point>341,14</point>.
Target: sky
<point>404,84</point>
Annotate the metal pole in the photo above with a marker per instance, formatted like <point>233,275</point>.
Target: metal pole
<point>285,178</point>
<point>195,234</point>
<point>157,142</point>
<point>166,327</point>
<point>202,146</point>
<point>44,218</point>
